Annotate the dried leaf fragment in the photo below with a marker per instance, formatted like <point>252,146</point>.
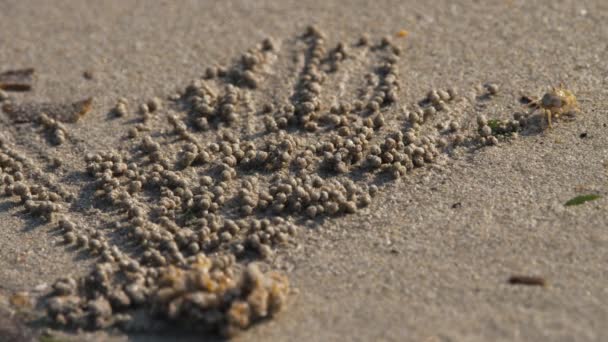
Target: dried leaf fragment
<point>582,199</point>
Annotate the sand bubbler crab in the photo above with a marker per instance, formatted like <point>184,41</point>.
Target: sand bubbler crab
<point>556,102</point>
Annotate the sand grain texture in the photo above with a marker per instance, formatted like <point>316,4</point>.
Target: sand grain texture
<point>413,265</point>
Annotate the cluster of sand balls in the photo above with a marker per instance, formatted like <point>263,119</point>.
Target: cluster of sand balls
<point>198,202</point>
<point>40,198</point>
<point>55,128</point>
<point>207,294</point>
<point>490,131</point>
<point>208,107</point>
<point>159,222</point>
<point>122,107</point>
<point>245,73</point>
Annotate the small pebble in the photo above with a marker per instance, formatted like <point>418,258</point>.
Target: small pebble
<point>492,88</point>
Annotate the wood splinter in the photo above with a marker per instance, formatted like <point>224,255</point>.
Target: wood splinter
<point>17,80</point>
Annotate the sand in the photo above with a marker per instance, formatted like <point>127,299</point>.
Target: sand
<point>413,265</point>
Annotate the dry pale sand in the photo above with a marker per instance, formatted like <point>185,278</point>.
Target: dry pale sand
<point>411,266</point>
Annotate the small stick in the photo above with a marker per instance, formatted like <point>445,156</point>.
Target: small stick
<point>17,80</point>
<point>527,280</point>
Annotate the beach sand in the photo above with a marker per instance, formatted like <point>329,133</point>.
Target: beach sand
<point>429,259</point>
